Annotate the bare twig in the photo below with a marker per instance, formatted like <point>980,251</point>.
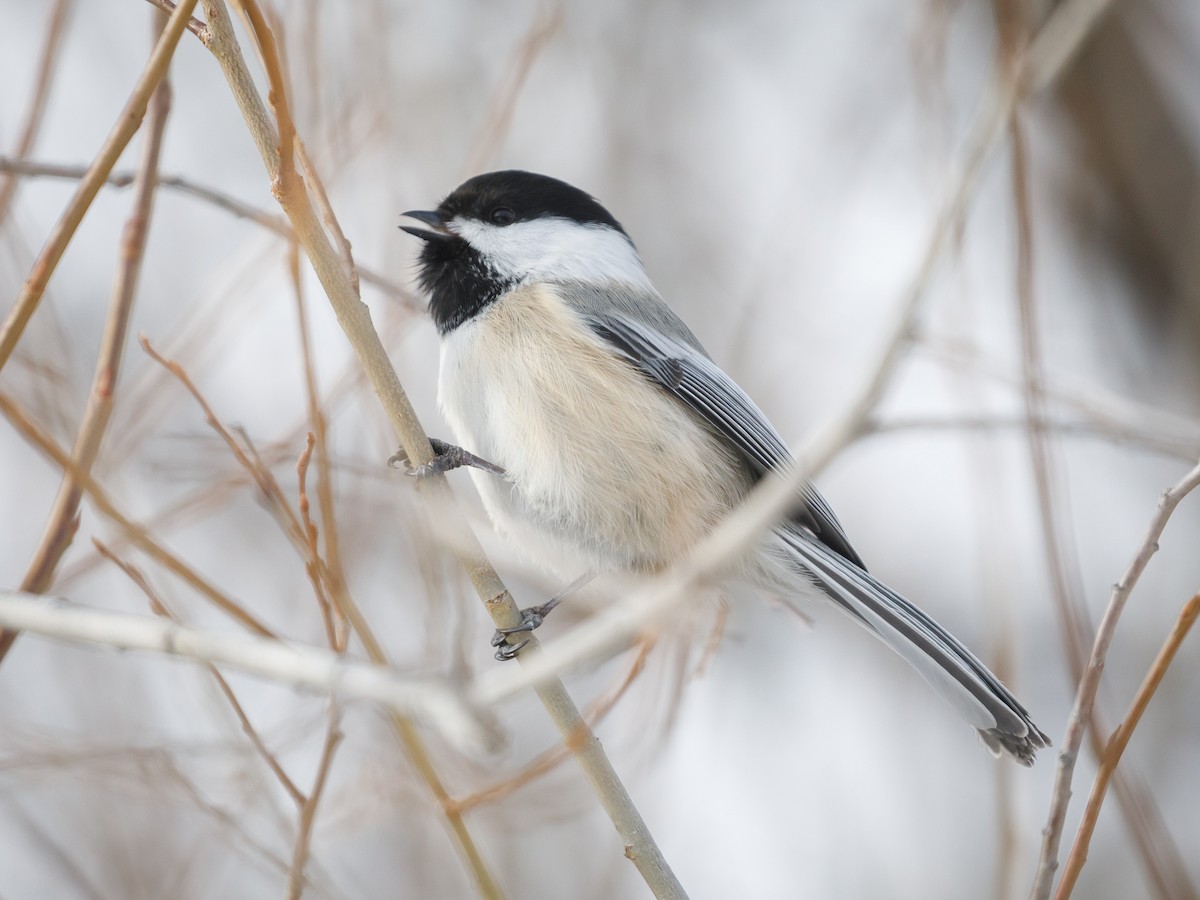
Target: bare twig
<point>504,103</point>
<point>128,123</point>
<point>195,26</point>
<point>308,812</point>
<point>136,533</point>
<point>1085,698</point>
<point>47,66</point>
<point>159,608</point>
<point>314,668</point>
<point>1118,742</point>
<point>277,224</point>
<point>58,532</point>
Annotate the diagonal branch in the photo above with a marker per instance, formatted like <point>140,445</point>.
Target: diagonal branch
<point>126,125</point>
<point>1086,697</point>
<point>1118,742</point>
<point>313,668</point>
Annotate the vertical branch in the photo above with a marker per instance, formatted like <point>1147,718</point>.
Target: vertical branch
<point>62,521</point>
<point>47,66</point>
<point>85,192</point>
<point>308,812</point>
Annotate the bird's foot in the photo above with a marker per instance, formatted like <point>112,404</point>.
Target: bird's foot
<point>447,458</point>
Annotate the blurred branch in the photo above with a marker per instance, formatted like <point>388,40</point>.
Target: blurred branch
<point>127,124</point>
<point>1118,742</point>
<point>47,66</point>
<point>355,320</point>
<point>434,700</point>
<point>308,812</point>
<point>61,523</point>
<point>136,533</point>
<point>1085,698</point>
<point>504,103</point>
<point>195,26</point>
<point>1176,447</point>
<point>276,224</point>
<point>159,608</point>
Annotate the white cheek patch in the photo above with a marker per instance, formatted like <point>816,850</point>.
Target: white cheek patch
<point>554,249</point>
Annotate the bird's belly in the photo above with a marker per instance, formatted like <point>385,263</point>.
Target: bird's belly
<point>600,460</point>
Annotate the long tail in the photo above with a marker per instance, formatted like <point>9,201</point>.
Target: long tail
<point>941,659</point>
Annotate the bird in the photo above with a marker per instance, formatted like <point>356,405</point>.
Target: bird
<point>592,417</point>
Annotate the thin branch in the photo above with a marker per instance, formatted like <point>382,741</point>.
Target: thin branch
<point>59,531</point>
<point>159,608</point>
<point>276,224</point>
<point>1088,686</point>
<point>127,124</point>
<point>1118,742</point>
<point>195,26</point>
<point>47,66</point>
<point>308,812</point>
<point>136,533</point>
<point>315,668</point>
<point>504,103</point>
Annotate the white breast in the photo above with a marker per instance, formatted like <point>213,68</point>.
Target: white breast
<point>601,462</point>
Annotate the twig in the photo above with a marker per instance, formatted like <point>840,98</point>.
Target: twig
<point>308,812</point>
<point>159,608</point>
<point>128,123</point>
<point>276,224</point>
<point>1085,698</point>
<point>1118,742</point>
<point>504,103</point>
<point>356,323</point>
<point>435,700</point>
<point>195,26</point>
<point>58,533</point>
<point>548,760</point>
<point>319,438</point>
<point>135,532</point>
<point>47,66</point>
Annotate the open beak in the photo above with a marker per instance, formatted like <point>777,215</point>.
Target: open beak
<point>436,231</point>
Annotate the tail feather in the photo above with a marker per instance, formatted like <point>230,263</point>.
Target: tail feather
<point>953,670</point>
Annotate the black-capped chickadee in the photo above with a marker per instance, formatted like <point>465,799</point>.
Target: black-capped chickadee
<point>617,439</point>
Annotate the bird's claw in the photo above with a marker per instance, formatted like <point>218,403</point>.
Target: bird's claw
<point>448,457</point>
<point>531,618</point>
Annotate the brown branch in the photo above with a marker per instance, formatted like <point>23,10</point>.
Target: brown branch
<point>136,533</point>
<point>195,26</point>
<point>1085,698</point>
<point>308,812</point>
<point>276,224</point>
<point>59,531</point>
<point>126,125</point>
<point>160,608</point>
<point>1118,742</point>
<point>47,66</point>
<point>320,441</point>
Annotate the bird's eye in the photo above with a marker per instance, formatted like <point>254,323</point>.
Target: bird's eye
<point>502,215</point>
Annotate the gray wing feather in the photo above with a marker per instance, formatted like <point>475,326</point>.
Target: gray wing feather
<point>683,368</point>
<point>652,338</point>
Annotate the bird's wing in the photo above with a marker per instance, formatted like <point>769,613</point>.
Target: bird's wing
<point>688,374</point>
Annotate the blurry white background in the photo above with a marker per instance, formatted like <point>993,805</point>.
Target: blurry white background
<point>779,166</point>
